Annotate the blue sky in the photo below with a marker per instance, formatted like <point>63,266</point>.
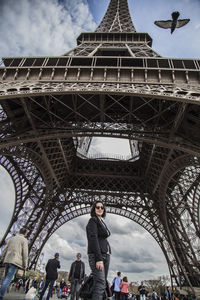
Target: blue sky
<point>50,27</point>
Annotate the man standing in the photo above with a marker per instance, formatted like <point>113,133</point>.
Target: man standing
<point>116,282</point>
<point>62,285</point>
<point>14,257</point>
<point>142,291</point>
<point>51,275</point>
<point>76,276</point>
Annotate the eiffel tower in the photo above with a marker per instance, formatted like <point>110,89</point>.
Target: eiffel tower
<point>112,84</point>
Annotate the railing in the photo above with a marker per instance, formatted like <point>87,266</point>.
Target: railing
<point>108,156</point>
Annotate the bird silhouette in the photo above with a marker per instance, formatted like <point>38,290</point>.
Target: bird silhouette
<point>174,23</point>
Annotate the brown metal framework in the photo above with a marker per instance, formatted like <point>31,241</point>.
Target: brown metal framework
<point>112,84</point>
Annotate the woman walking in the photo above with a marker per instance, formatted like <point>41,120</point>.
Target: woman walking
<point>98,249</point>
<point>124,288</point>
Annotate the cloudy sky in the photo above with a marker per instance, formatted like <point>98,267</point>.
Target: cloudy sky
<point>50,27</point>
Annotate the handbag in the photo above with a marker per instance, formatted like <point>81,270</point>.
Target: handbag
<point>86,289</point>
<point>21,273</point>
<point>109,292</point>
<point>112,287</point>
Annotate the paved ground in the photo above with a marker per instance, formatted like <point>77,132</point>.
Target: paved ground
<point>20,296</point>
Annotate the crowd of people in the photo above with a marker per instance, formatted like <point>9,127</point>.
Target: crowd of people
<point>15,256</point>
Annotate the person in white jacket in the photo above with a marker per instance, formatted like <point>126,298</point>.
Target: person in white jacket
<point>14,257</point>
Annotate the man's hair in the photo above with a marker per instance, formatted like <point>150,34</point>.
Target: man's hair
<point>118,273</point>
<point>92,212</point>
<point>56,255</point>
<point>78,254</point>
<point>22,231</point>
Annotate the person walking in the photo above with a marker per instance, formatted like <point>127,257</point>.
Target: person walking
<point>41,285</point>
<point>27,285</point>
<point>62,285</point>
<point>154,295</point>
<point>98,249</point>
<point>124,286</point>
<point>168,295</point>
<point>51,275</point>
<point>117,281</point>
<point>76,276</point>
<point>14,257</point>
<point>142,291</point>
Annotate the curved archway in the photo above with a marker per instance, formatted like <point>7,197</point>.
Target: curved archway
<point>7,200</point>
<point>134,251</point>
<point>27,202</point>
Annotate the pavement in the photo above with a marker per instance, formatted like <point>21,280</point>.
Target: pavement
<point>20,296</point>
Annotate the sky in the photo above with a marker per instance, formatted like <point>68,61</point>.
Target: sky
<point>50,27</point>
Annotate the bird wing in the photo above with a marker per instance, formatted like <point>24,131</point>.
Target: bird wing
<point>182,22</point>
<point>164,24</point>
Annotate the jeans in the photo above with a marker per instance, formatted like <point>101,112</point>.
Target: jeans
<point>47,283</point>
<point>100,277</point>
<point>75,287</point>
<point>10,271</point>
<point>124,296</point>
<point>142,297</point>
<point>117,295</point>
<point>60,293</point>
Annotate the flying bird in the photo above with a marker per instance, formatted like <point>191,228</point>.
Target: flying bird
<point>174,23</point>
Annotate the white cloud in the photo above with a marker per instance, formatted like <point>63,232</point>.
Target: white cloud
<point>134,252</point>
<point>114,146</point>
<point>42,27</point>
<point>7,195</point>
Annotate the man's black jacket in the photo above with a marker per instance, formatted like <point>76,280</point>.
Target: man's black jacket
<point>51,269</point>
<point>72,270</point>
<point>97,234</point>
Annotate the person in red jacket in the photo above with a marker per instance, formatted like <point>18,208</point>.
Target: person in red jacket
<point>124,288</point>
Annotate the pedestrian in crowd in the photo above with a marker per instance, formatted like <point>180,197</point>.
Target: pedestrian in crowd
<point>76,276</point>
<point>98,248</point>
<point>32,293</point>
<point>41,285</point>
<point>154,295</point>
<point>19,283</point>
<point>117,281</point>
<point>124,286</point>
<point>34,281</point>
<point>62,285</point>
<point>27,285</point>
<point>142,291</point>
<point>14,256</point>
<point>51,275</point>
<point>168,295</point>
<point>16,286</point>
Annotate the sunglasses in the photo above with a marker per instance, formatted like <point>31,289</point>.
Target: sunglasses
<point>99,207</point>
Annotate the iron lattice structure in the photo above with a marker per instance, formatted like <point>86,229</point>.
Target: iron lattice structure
<point>112,84</point>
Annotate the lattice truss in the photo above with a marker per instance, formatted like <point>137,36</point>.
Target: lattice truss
<point>52,107</point>
<point>126,49</point>
<point>117,18</point>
